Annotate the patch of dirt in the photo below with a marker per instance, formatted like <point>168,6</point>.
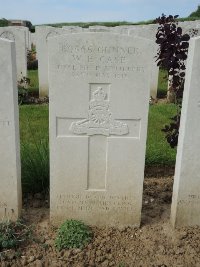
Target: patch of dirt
<point>33,98</point>
<point>155,244</point>
<point>159,171</point>
<point>162,101</point>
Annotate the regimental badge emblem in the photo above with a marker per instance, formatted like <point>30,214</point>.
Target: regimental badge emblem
<point>100,120</point>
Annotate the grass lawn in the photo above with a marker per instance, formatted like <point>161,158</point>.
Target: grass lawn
<point>34,147</point>
<point>158,151</point>
<point>162,84</point>
<point>34,83</point>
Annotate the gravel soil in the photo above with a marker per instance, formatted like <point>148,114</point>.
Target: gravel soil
<point>154,244</point>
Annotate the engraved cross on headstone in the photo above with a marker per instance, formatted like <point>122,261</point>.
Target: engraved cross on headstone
<point>99,125</point>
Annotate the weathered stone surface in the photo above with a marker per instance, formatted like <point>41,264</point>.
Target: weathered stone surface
<point>73,29</point>
<point>42,34</point>
<point>10,177</point>
<point>149,31</point>
<point>27,35</point>
<point>33,38</point>
<point>19,37</point>
<point>185,209</point>
<point>97,28</point>
<point>99,92</point>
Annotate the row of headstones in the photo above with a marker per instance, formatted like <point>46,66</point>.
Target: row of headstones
<point>99,87</point>
<point>146,31</point>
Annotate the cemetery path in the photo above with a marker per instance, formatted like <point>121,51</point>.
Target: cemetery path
<point>155,244</point>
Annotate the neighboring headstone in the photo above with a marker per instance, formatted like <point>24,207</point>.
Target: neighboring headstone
<point>185,209</point>
<point>73,29</point>
<point>149,31</point>
<point>99,98</point>
<point>33,38</point>
<point>19,37</point>
<point>10,177</point>
<point>27,35</point>
<point>42,34</point>
<point>98,28</point>
<point>29,40</point>
<point>187,25</point>
<point>124,29</point>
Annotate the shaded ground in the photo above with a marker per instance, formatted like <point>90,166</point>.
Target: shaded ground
<point>155,244</point>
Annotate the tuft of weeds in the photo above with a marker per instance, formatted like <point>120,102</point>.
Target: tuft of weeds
<point>35,166</point>
<point>13,234</point>
<point>73,234</point>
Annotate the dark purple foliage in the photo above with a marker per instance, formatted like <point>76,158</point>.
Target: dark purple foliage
<point>172,54</point>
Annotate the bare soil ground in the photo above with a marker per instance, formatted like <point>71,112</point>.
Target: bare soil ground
<point>155,244</point>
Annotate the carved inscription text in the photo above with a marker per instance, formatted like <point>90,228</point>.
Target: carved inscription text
<point>88,203</point>
<point>90,60</point>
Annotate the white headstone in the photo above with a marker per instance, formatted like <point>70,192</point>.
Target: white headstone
<point>73,29</point>
<point>42,34</point>
<point>27,35</point>
<point>19,37</point>
<point>98,28</point>
<point>149,31</point>
<point>99,98</point>
<point>33,38</point>
<point>123,29</point>
<point>10,177</point>
<point>185,209</point>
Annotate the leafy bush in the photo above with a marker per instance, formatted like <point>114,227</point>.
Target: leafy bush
<point>12,234</point>
<point>171,56</point>
<point>196,13</point>
<point>73,234</point>
<point>3,22</point>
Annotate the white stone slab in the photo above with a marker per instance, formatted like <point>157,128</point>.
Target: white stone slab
<point>42,34</point>
<point>73,29</point>
<point>149,31</point>
<point>27,34</point>
<point>33,38</point>
<point>10,177</point>
<point>19,36</point>
<point>98,28</point>
<point>99,94</point>
<point>185,209</point>
<point>124,29</point>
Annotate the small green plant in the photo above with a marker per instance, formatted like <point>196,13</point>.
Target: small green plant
<point>12,234</point>
<point>73,234</point>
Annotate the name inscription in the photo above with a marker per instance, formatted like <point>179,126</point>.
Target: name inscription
<point>99,61</point>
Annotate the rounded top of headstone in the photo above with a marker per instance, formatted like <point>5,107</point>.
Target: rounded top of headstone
<point>8,35</point>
